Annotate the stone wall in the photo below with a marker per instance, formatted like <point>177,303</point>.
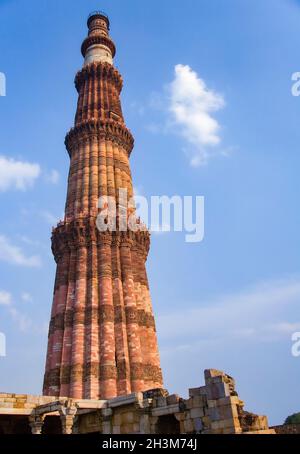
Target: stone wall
<point>214,408</point>
<point>21,404</point>
<point>287,429</point>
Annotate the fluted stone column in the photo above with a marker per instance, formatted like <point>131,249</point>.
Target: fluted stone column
<point>102,338</point>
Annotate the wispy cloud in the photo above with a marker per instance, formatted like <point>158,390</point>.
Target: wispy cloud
<point>191,105</point>
<point>14,255</point>
<point>26,297</point>
<point>258,314</point>
<point>5,298</point>
<point>17,175</point>
<point>23,321</point>
<point>25,239</point>
<point>52,177</point>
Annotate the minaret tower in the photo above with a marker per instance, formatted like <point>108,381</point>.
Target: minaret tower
<point>102,340</point>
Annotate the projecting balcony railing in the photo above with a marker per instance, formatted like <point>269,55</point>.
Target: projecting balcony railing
<point>98,13</point>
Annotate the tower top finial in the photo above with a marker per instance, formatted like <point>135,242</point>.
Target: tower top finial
<point>98,46</point>
<point>98,14</point>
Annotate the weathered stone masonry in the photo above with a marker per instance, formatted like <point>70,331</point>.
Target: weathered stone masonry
<point>214,408</point>
<point>102,347</point>
<point>101,306</point>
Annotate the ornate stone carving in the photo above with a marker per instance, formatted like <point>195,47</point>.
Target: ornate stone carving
<point>99,70</point>
<point>102,323</point>
<point>98,39</point>
<point>104,129</point>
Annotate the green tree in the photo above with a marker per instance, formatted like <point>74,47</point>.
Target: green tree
<point>293,419</point>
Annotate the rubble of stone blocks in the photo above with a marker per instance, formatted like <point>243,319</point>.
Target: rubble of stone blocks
<point>211,409</point>
<point>217,409</point>
<point>214,408</point>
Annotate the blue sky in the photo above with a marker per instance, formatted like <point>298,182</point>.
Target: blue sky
<point>230,302</point>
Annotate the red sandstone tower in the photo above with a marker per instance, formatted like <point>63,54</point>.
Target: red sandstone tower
<point>102,339</point>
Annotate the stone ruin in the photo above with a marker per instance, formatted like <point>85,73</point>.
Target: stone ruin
<point>214,408</point>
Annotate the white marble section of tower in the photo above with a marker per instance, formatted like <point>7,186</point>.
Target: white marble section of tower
<point>99,50</point>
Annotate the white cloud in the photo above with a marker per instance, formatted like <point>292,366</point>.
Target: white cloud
<point>17,174</point>
<point>53,177</point>
<point>23,322</point>
<point>5,298</point>
<point>257,314</point>
<point>14,255</point>
<point>25,239</point>
<point>26,297</point>
<point>191,105</point>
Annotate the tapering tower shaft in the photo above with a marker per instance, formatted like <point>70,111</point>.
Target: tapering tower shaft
<point>102,339</point>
